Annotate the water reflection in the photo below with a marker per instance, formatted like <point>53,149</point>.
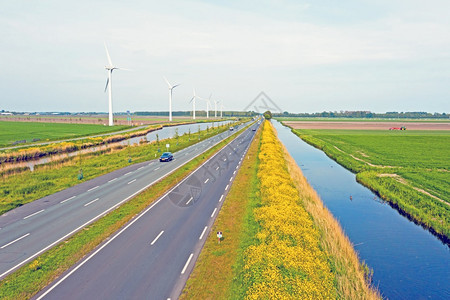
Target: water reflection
<point>408,261</point>
<point>164,133</point>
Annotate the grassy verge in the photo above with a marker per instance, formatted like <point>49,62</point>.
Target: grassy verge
<point>37,274</point>
<point>352,278</point>
<point>267,253</point>
<point>409,170</point>
<point>218,263</point>
<point>53,177</point>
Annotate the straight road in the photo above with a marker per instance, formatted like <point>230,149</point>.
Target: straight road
<point>30,230</point>
<point>153,255</point>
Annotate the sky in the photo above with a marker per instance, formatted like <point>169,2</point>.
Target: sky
<point>307,56</point>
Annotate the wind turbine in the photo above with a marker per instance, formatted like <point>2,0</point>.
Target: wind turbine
<point>215,108</point>
<point>171,87</point>
<point>193,104</point>
<point>221,109</point>
<point>108,86</point>
<point>208,101</point>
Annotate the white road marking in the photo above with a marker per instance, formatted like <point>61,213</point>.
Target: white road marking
<point>221,197</point>
<point>132,181</point>
<point>234,172</point>
<point>18,239</point>
<point>157,168</point>
<point>186,153</point>
<point>226,188</point>
<point>113,179</point>
<point>217,168</point>
<point>127,173</point>
<point>89,203</point>
<point>231,178</point>
<point>33,214</point>
<point>206,180</point>
<point>203,232</point>
<point>150,164</point>
<point>140,168</point>
<point>157,237</point>
<point>98,216</point>
<point>187,263</point>
<point>95,187</point>
<point>214,211</point>
<point>189,201</point>
<point>237,167</point>
<point>67,199</point>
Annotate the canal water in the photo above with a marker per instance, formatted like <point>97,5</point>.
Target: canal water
<point>169,132</point>
<point>164,133</point>
<point>407,260</point>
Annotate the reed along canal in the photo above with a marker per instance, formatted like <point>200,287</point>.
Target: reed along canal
<point>407,260</point>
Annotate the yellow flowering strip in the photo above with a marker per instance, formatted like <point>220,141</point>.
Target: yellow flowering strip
<point>287,262</point>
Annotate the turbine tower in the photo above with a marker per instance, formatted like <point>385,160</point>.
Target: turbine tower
<point>215,108</point>
<point>221,109</point>
<point>208,101</point>
<point>108,86</point>
<point>193,105</point>
<point>171,87</point>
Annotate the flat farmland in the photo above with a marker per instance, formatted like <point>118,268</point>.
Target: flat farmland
<point>410,169</point>
<point>11,132</point>
<point>364,125</point>
<point>98,119</point>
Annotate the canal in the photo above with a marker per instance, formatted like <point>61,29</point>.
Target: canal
<point>163,133</point>
<point>407,260</point>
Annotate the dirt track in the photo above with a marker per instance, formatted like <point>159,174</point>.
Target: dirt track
<point>366,125</point>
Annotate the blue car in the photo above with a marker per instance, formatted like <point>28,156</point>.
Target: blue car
<point>166,156</point>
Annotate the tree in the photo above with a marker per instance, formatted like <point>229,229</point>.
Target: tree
<point>268,115</point>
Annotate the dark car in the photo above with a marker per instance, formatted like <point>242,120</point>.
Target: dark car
<point>166,156</point>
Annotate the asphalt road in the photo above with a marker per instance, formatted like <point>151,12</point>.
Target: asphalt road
<point>31,229</point>
<point>153,255</point>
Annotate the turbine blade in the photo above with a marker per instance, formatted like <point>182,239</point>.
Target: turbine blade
<point>107,82</point>
<point>192,99</point>
<point>167,81</point>
<point>176,86</point>
<point>109,57</point>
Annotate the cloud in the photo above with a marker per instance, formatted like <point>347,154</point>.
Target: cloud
<point>234,49</point>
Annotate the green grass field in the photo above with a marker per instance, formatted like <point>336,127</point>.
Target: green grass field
<point>35,275</point>
<point>411,169</point>
<point>17,131</point>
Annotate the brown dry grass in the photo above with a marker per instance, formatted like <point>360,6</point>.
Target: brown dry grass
<point>213,273</point>
<point>350,279</point>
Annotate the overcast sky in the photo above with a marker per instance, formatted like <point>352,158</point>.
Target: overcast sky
<point>307,56</point>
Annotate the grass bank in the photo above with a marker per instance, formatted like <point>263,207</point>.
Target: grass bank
<point>282,244</point>
<point>37,274</point>
<point>50,178</point>
<point>218,264</point>
<point>410,170</point>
